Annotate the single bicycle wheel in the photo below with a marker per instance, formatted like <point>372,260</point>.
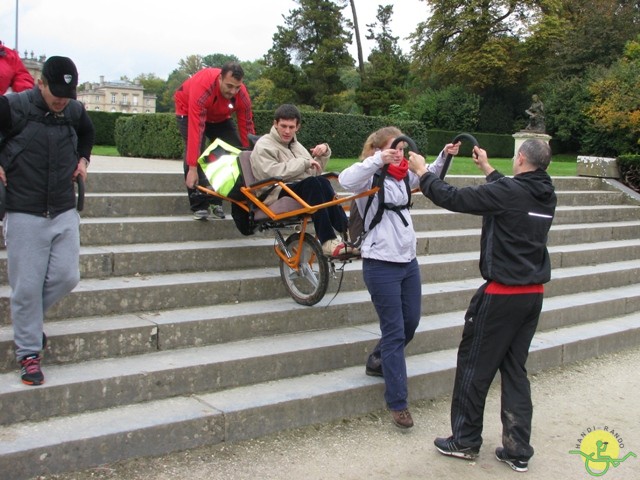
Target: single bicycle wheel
<point>308,285</point>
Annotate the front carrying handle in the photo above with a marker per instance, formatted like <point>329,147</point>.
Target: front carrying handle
<point>458,138</point>
<point>409,141</point>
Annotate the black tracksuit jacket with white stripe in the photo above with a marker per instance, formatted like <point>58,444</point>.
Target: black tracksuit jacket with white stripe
<point>517,214</point>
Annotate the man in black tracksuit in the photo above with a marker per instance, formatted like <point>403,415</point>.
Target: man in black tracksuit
<point>503,314</point>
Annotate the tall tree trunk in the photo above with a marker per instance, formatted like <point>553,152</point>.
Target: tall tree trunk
<point>358,42</point>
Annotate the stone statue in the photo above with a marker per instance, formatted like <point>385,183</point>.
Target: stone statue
<point>536,115</point>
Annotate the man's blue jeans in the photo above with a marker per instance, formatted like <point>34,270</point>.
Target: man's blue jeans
<point>396,292</point>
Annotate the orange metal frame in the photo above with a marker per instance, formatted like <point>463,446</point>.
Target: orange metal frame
<point>304,212</point>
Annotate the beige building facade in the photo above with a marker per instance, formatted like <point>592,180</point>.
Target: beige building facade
<point>122,96</point>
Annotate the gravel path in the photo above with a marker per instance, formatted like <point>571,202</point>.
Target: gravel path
<point>598,393</point>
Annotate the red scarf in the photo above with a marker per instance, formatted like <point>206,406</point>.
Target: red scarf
<point>399,171</point>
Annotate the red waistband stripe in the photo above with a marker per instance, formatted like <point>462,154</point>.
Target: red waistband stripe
<point>495,288</point>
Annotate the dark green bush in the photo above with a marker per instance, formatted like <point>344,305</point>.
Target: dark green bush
<point>149,136</point>
<point>157,136</point>
<point>629,167</point>
<point>496,145</point>
<point>104,123</point>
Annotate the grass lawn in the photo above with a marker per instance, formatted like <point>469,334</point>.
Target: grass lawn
<point>562,165</point>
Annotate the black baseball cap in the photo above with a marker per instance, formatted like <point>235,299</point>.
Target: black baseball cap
<point>62,76</point>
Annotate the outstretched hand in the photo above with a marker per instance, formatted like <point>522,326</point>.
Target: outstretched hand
<point>481,160</point>
<point>417,164</point>
<point>452,148</point>
<point>319,150</point>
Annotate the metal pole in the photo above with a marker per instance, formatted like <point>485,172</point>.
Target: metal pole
<point>16,47</point>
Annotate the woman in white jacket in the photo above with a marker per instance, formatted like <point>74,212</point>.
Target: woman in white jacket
<point>389,264</point>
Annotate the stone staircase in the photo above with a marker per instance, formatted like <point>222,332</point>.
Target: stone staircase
<point>181,333</point>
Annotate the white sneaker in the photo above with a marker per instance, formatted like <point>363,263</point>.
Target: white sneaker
<point>334,247</point>
<point>201,214</point>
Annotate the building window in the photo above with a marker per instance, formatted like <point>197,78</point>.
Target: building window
<point>135,99</point>
<point>113,98</point>
<point>97,98</point>
<point>125,99</point>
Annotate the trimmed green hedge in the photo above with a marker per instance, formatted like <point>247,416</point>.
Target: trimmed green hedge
<point>157,136</point>
<point>148,136</point>
<point>105,125</point>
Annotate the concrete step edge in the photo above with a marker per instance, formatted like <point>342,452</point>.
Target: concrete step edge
<point>88,439</point>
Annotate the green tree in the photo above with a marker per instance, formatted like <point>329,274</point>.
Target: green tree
<point>154,85</point>
<point>592,33</point>
<point>151,83</point>
<point>218,59</point>
<point>615,105</point>
<point>308,54</point>
<point>253,70</point>
<point>449,108</point>
<point>384,83</point>
<point>165,100</point>
<point>191,64</point>
<point>474,43</point>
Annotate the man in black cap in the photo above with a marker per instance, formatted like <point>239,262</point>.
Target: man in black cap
<point>48,138</point>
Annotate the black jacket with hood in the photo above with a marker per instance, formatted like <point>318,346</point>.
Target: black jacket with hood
<point>39,159</point>
<point>517,214</point>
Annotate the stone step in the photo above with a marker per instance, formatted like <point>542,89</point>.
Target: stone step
<point>148,258</point>
<point>95,384</point>
<point>155,427</point>
<point>156,292</point>
<point>92,338</point>
<point>163,229</point>
<point>181,334</point>
<point>162,204</point>
<point>168,180</point>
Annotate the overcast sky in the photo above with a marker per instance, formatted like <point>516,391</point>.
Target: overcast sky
<point>129,37</point>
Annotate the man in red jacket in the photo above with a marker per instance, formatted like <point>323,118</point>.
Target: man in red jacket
<point>204,105</point>
<point>14,77</point>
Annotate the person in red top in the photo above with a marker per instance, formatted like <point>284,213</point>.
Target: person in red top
<point>14,77</point>
<point>205,103</point>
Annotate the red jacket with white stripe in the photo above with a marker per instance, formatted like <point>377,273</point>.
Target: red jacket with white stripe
<point>200,99</point>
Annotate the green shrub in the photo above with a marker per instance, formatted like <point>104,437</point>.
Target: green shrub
<point>149,136</point>
<point>629,167</point>
<point>157,135</point>
<point>104,124</point>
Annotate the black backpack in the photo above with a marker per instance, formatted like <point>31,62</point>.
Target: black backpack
<point>357,231</point>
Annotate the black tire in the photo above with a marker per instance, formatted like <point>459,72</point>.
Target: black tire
<point>3,198</point>
<point>308,285</point>
<point>80,203</point>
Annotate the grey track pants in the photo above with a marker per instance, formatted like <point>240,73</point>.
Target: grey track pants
<point>43,266</point>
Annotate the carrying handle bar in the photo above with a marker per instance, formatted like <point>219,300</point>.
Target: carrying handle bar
<point>408,140</point>
<point>458,138</point>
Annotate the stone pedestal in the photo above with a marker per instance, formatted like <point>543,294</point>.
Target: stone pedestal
<point>603,167</point>
<point>521,136</point>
